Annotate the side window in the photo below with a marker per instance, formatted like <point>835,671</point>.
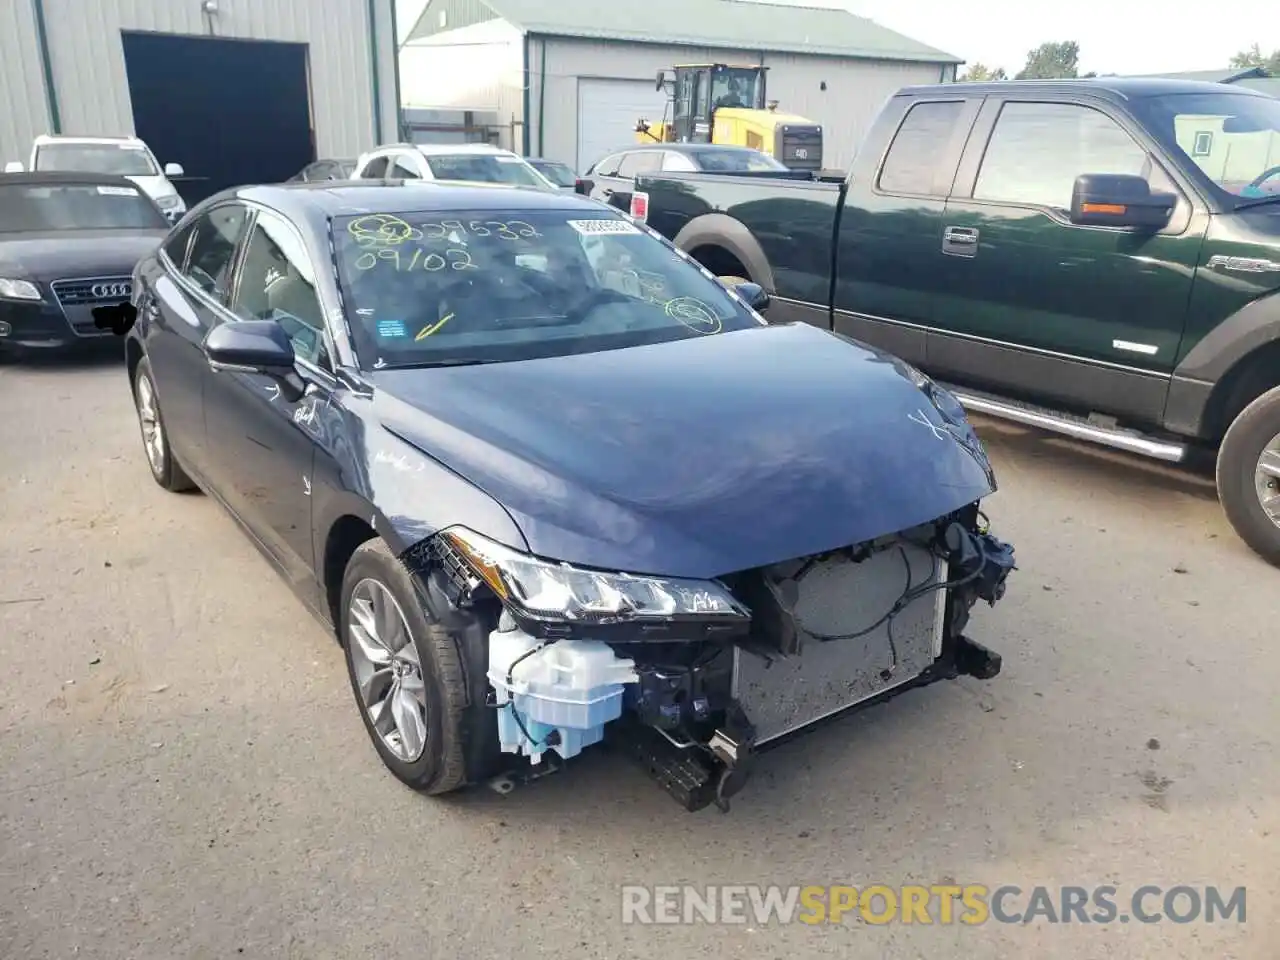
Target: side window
<point>213,249</point>
<point>677,162</point>
<point>1037,150</point>
<point>608,167</point>
<point>277,283</point>
<point>912,161</point>
<point>376,168</point>
<point>402,168</point>
<point>175,248</point>
<point>642,161</point>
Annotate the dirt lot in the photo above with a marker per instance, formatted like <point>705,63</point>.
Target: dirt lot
<point>183,773</point>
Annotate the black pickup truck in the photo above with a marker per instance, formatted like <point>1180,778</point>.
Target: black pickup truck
<point>1099,258</point>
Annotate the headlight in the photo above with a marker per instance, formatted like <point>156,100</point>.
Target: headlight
<point>170,202</point>
<point>18,290</point>
<point>546,590</point>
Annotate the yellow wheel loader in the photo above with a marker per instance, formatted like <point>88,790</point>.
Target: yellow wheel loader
<point>724,103</point>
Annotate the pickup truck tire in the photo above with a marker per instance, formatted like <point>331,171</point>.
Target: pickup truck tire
<point>1242,481</point>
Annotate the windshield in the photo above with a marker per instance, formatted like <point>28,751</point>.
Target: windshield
<point>39,207</point>
<point>557,173</point>
<point>484,168</point>
<point>480,286</point>
<point>115,159</point>
<point>1233,138</point>
<point>736,87</point>
<point>738,161</point>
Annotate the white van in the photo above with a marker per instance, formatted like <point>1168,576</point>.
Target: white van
<point>126,157</point>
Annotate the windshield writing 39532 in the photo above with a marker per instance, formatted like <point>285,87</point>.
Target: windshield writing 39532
<point>390,240</point>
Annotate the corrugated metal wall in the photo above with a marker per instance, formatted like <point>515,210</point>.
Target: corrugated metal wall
<point>93,91</point>
<point>23,110</point>
<point>856,89</point>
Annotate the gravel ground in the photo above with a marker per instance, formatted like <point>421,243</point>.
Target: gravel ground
<point>183,773</point>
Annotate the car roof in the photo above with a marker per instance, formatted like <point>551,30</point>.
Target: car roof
<point>1115,88</point>
<point>323,200</point>
<point>689,148</point>
<point>456,148</point>
<point>64,138</point>
<point>66,177</point>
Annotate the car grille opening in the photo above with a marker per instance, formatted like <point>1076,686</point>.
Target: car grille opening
<point>80,295</point>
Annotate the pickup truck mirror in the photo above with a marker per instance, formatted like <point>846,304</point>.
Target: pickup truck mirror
<point>754,294</point>
<point>1119,200</point>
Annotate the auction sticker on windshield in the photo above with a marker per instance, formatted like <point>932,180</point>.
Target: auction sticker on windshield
<point>597,228</point>
<point>118,191</point>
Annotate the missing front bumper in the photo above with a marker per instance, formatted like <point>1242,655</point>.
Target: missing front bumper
<point>700,775</point>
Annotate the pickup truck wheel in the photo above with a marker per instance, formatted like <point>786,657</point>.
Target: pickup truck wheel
<point>406,673</point>
<point>1248,475</point>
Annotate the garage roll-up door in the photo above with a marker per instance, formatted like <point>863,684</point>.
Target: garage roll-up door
<point>607,115</point>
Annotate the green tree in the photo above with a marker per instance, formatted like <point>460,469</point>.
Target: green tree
<point>980,71</point>
<point>1254,57</point>
<point>1052,61</point>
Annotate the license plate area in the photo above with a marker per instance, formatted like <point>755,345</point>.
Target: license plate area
<point>841,597</point>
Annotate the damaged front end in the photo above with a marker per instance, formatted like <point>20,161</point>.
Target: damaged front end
<point>693,678</point>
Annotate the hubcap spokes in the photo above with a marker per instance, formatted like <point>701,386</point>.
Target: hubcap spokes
<point>388,671</point>
<point>152,430</point>
<point>1266,479</point>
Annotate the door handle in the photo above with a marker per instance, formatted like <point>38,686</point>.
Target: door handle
<point>960,241</point>
<point>606,192</point>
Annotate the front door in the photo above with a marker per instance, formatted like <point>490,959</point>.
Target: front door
<point>1018,274</point>
<point>264,436</point>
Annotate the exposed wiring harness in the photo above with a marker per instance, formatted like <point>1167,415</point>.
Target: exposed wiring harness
<point>910,593</point>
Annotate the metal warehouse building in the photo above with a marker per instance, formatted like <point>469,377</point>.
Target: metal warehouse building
<point>568,79</point>
<point>235,91</point>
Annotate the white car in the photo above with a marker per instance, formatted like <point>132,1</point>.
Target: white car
<point>126,157</point>
<point>471,162</point>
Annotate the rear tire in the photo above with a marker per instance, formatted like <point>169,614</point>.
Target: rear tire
<point>165,469</point>
<point>1248,475</point>
<point>422,740</point>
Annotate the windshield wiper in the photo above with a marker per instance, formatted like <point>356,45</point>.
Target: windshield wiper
<point>443,362</point>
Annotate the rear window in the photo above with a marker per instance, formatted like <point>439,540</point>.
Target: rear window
<point>482,286</point>
<point>912,160</point>
<point>483,168</point>
<point>737,161</point>
<point>39,207</point>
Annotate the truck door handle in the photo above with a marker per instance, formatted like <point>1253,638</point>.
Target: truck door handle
<point>960,241</point>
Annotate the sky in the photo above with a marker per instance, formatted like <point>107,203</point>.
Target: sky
<point>1115,36</point>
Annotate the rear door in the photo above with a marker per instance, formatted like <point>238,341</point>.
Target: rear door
<point>185,295</point>
<point>887,285</point>
<point>633,164</point>
<point>1082,315</point>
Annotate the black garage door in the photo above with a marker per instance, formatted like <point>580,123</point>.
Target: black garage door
<point>229,111</point>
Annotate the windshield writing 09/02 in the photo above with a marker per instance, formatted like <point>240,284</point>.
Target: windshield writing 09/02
<point>482,286</point>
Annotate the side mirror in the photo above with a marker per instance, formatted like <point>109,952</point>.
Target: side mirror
<point>13,166</point>
<point>250,346</point>
<point>754,294</point>
<point>174,170</point>
<point>662,79</point>
<point>1119,200</point>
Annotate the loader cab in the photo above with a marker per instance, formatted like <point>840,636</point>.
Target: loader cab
<point>701,89</point>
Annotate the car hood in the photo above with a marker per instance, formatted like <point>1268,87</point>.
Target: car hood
<point>700,457</point>
<point>67,253</point>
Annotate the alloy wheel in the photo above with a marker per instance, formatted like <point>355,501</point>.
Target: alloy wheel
<point>1266,480</point>
<point>152,429</point>
<point>388,671</point>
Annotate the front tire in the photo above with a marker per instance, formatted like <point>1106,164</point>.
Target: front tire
<point>1248,475</point>
<point>165,469</point>
<point>406,673</point>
